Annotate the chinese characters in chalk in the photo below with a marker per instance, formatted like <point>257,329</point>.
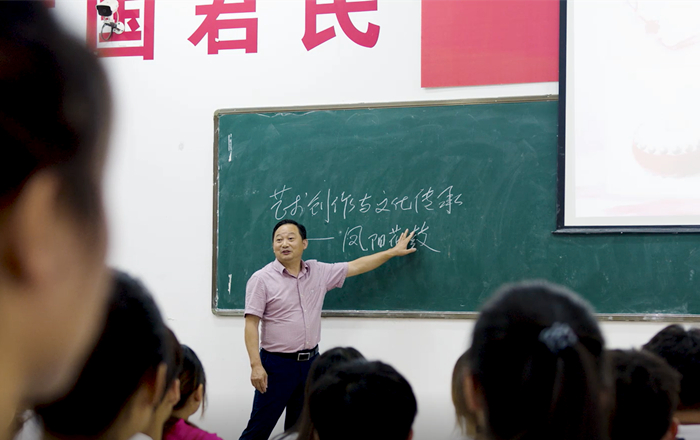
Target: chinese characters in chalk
<point>331,205</point>
<point>286,204</point>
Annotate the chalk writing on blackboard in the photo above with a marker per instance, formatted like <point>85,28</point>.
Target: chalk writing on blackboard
<point>329,203</point>
<point>377,241</point>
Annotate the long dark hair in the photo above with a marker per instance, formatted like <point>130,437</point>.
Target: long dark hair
<point>538,362</point>
<point>191,377</point>
<point>134,342</point>
<point>55,109</point>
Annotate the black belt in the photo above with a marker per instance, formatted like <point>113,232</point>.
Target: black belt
<point>303,355</point>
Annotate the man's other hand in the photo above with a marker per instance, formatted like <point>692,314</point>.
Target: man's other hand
<point>258,377</point>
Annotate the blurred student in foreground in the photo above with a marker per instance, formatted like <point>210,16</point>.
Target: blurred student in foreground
<point>681,349</point>
<point>537,370</point>
<point>54,120</point>
<point>127,377</point>
<point>646,396</point>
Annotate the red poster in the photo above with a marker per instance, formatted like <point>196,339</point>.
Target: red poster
<point>483,42</point>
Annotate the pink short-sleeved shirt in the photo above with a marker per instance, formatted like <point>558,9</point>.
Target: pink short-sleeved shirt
<point>290,307</point>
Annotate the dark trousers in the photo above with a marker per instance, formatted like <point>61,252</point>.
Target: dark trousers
<point>285,388</point>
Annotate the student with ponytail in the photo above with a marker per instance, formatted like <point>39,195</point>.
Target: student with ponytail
<point>193,388</point>
<point>537,368</point>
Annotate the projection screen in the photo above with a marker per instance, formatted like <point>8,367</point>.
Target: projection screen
<point>630,105</point>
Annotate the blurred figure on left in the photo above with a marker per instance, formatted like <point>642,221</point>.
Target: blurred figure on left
<point>54,121</point>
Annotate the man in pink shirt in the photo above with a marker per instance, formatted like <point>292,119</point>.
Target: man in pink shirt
<point>287,296</point>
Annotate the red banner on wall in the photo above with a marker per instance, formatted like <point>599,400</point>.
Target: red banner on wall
<point>484,42</point>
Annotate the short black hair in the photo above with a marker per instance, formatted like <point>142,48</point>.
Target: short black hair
<point>302,229</point>
<point>681,349</point>
<point>367,400</point>
<point>320,367</point>
<point>134,342</point>
<point>646,395</point>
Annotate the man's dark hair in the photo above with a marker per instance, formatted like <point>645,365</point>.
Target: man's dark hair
<point>300,227</point>
<point>646,395</point>
<point>134,342</point>
<point>362,400</point>
<point>55,108</point>
<point>681,349</point>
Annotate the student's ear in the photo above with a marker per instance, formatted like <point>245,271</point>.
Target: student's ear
<point>157,388</point>
<point>471,394</point>
<point>31,247</point>
<point>410,435</point>
<point>672,430</point>
<point>199,393</point>
<point>174,392</point>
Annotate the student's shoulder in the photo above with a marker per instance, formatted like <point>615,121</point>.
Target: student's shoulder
<point>197,433</point>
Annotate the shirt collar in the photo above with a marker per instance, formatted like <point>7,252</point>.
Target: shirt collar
<point>279,267</point>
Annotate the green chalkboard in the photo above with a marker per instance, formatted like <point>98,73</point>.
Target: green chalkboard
<point>478,183</point>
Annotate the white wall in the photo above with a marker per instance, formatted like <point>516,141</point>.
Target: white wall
<point>159,186</point>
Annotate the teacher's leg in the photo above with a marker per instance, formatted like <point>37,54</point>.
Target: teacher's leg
<point>296,401</point>
<point>267,407</point>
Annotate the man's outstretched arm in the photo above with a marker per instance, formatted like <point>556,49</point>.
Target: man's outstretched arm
<point>371,262</point>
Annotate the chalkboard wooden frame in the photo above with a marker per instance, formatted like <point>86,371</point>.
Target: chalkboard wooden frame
<point>610,317</point>
<point>561,159</point>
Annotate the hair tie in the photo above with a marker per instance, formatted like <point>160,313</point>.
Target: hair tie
<point>558,337</point>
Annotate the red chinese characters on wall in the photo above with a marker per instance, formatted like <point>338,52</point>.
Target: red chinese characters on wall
<point>212,24</point>
<point>137,38</point>
<point>130,31</point>
<point>342,9</point>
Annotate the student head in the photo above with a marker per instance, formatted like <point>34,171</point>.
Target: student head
<point>323,363</point>
<point>193,385</point>
<point>54,119</point>
<point>537,365</point>
<point>681,349</point>
<point>126,376</point>
<point>646,396</point>
<point>163,409</point>
<point>367,400</point>
<point>289,241</point>
<point>466,417</point>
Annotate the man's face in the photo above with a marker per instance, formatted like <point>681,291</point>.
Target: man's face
<point>287,244</point>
